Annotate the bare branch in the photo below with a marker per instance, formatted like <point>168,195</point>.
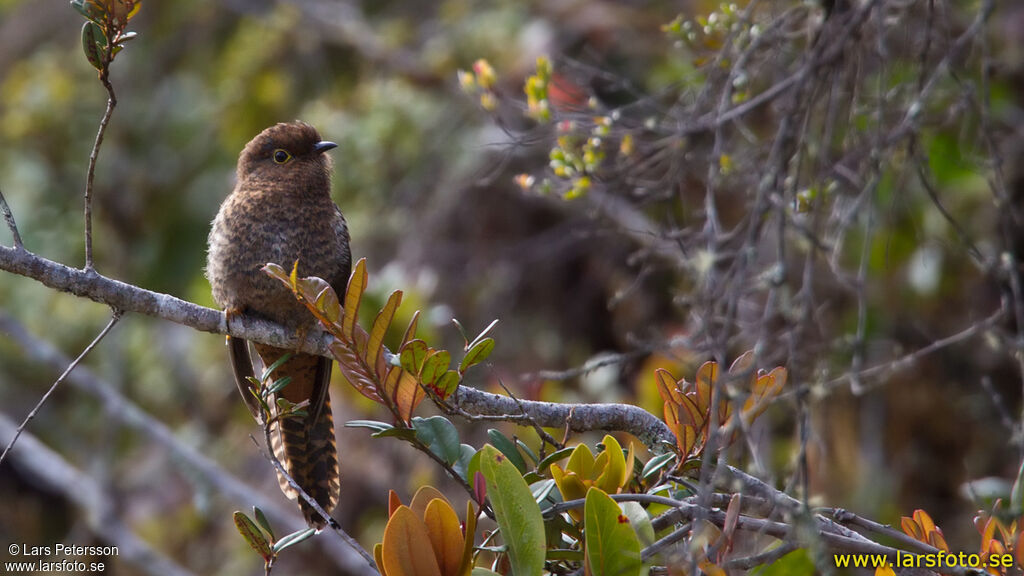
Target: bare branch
<point>129,298</point>
<point>130,414</point>
<point>111,103</point>
<point>11,224</point>
<point>113,320</point>
<point>578,417</point>
<point>46,467</point>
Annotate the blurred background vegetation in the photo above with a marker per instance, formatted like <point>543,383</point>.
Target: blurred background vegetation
<point>425,177</point>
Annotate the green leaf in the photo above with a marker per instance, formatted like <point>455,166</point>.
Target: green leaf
<point>277,364</point>
<point>557,554</point>
<point>440,436</point>
<point>508,448</point>
<point>473,468</point>
<point>531,477</point>
<point>477,354</point>
<point>478,571</point>
<point>518,515</point>
<point>541,490</point>
<point>261,519</point>
<point>461,466</point>
<point>293,539</point>
<point>546,463</point>
<point>93,42</point>
<point>412,356</point>
<point>279,385</point>
<point>656,464</point>
<point>613,548</point>
<point>79,5</point>
<point>407,434</point>
<point>435,366</point>
<point>641,522</point>
<point>462,331</point>
<point>370,424</point>
<point>447,384</point>
<point>251,533</point>
<point>526,450</point>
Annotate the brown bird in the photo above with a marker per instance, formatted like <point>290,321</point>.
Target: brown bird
<point>281,211</point>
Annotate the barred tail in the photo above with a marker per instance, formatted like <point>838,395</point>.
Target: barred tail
<point>305,445</point>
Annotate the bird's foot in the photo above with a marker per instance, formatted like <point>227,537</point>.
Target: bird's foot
<point>229,315</point>
<point>302,333</point>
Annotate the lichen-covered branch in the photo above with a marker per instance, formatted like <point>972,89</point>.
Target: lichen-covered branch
<point>576,417</point>
<point>129,298</point>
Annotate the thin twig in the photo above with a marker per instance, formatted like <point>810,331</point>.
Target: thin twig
<point>129,414</point>
<point>11,224</point>
<point>585,368</point>
<point>269,454</point>
<point>47,468</point>
<point>113,320</point>
<point>111,103</point>
<point>908,360</point>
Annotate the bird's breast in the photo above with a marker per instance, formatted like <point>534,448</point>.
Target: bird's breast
<point>251,231</point>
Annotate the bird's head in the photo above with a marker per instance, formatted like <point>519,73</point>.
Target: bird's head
<point>288,151</point>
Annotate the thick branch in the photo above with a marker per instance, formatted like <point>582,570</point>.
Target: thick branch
<point>122,296</point>
<point>129,298</point>
<point>577,417</point>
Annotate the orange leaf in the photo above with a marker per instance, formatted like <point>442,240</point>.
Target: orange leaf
<point>354,370</point>
<point>410,332</point>
<point>1018,547</point>
<point>667,386</point>
<point>445,535</point>
<point>380,327</point>
<point>924,521</point>
<point>692,415</point>
<point>689,438</point>
<point>422,497</point>
<point>407,395</point>
<point>885,570</point>
<point>707,375</point>
<point>353,296</point>
<point>393,502</point>
<point>911,528</point>
<point>406,549</point>
<point>672,417</point>
<point>732,518</point>
<point>327,301</point>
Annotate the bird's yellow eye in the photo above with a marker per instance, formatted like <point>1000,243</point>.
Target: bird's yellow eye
<point>281,156</point>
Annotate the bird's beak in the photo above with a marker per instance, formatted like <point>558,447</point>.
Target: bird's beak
<point>324,146</point>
